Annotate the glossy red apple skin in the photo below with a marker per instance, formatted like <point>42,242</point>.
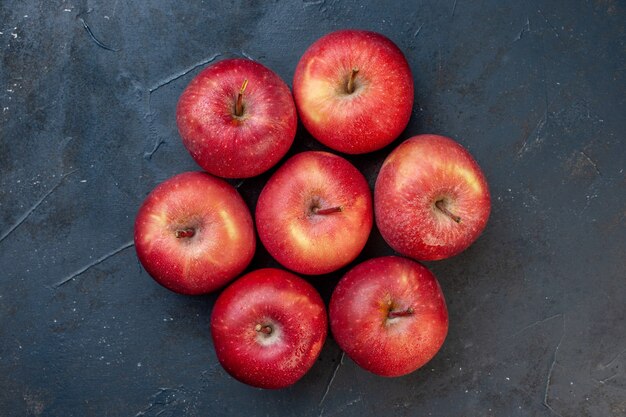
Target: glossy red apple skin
<point>293,310</point>
<point>228,145</point>
<point>222,242</point>
<point>378,109</point>
<point>419,172</point>
<point>294,234</point>
<point>360,322</point>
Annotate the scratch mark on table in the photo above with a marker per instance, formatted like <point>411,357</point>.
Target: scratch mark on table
<point>613,360</point>
<point>114,8</point>
<point>605,380</point>
<point>164,397</point>
<point>158,141</point>
<point>313,3</point>
<point>247,56</point>
<point>592,162</point>
<point>332,378</point>
<point>525,29</point>
<point>182,73</point>
<point>603,367</point>
<point>526,145</point>
<point>157,144</point>
<point>30,211</point>
<point>342,408</point>
<point>549,378</point>
<point>453,8</point>
<point>96,40</point>
<point>535,324</point>
<point>419,29</point>
<point>92,264</point>
<point>541,123</point>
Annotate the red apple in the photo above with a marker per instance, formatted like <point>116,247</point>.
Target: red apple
<point>268,328</point>
<point>431,198</point>
<point>237,118</point>
<point>314,215</point>
<point>354,91</point>
<point>389,315</point>
<point>194,233</point>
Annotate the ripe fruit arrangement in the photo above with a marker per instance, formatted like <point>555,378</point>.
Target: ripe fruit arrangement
<point>194,234</point>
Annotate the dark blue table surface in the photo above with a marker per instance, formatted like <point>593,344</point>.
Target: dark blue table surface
<point>535,90</point>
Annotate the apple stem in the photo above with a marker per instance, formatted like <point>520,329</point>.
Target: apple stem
<point>441,206</point>
<point>327,210</point>
<point>402,313</point>
<point>185,233</point>
<point>239,104</point>
<point>350,86</point>
<point>263,329</point>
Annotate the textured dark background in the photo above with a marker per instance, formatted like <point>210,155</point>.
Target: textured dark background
<point>534,89</point>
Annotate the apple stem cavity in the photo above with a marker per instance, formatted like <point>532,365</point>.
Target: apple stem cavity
<point>185,233</point>
<point>441,205</point>
<point>401,313</point>
<point>350,86</point>
<point>263,329</point>
<point>329,210</point>
<point>239,103</point>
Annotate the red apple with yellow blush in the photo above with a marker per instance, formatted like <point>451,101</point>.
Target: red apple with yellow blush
<point>389,315</point>
<point>237,118</point>
<point>268,328</point>
<point>431,198</point>
<point>314,215</point>
<point>194,233</point>
<point>354,91</point>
